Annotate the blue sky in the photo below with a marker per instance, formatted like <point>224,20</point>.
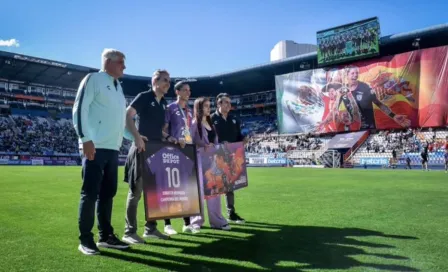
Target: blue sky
<point>192,38</point>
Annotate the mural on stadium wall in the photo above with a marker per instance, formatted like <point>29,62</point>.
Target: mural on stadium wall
<point>404,90</point>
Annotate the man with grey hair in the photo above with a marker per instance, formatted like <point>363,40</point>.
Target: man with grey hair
<point>99,115</point>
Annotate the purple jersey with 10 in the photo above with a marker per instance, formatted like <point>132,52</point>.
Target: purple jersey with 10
<point>172,170</point>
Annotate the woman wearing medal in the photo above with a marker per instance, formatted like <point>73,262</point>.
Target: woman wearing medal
<point>178,117</point>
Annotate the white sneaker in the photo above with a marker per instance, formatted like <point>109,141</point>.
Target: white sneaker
<point>190,229</point>
<point>169,230</point>
<point>92,250</point>
<point>133,239</point>
<point>225,227</point>
<point>196,227</point>
<point>236,219</point>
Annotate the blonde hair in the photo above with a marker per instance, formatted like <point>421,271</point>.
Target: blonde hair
<point>112,54</point>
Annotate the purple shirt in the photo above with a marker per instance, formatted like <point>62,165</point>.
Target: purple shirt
<point>172,170</point>
<point>200,142</point>
<point>176,120</point>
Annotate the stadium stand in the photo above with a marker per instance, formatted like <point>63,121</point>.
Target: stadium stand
<point>274,143</point>
<point>406,143</point>
<point>36,97</point>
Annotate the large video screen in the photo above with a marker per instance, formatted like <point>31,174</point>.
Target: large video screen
<point>392,92</point>
<point>348,42</point>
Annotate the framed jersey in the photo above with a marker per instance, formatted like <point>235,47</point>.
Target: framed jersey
<point>222,168</point>
<point>171,187</point>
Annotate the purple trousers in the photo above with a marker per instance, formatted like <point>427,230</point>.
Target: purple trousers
<point>215,217</point>
<point>214,211</point>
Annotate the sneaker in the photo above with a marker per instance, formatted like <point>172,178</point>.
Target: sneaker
<point>155,234</point>
<point>236,218</point>
<point>112,242</point>
<point>133,239</point>
<point>196,227</point>
<point>225,227</point>
<point>89,248</point>
<point>169,230</point>
<point>190,229</point>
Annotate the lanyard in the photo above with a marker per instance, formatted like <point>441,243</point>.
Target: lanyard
<point>186,118</point>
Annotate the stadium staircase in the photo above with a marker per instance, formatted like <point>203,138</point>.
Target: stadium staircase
<point>321,151</point>
<point>349,155</point>
<point>354,151</point>
<point>321,158</point>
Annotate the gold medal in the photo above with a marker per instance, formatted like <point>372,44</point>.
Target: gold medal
<point>186,131</point>
<point>188,139</point>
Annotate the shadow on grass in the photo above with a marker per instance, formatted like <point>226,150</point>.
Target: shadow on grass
<point>275,247</point>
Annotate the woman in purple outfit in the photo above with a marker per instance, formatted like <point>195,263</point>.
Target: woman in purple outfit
<point>204,135</point>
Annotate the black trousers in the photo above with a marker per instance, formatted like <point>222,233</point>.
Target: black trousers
<point>186,221</point>
<point>99,187</point>
<point>230,203</point>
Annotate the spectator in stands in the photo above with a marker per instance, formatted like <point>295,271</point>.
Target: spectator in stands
<point>228,130</point>
<point>98,118</point>
<point>150,106</point>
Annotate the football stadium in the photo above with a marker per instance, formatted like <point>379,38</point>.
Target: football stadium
<point>345,154</point>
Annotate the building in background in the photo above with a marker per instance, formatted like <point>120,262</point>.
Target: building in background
<point>287,49</point>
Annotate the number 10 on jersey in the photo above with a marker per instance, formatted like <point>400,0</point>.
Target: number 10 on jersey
<point>173,177</point>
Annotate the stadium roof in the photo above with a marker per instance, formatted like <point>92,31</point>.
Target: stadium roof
<point>253,79</point>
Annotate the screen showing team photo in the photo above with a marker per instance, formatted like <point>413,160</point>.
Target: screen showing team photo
<point>349,42</point>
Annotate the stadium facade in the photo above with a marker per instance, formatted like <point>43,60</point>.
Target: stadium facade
<point>257,78</point>
<point>287,49</point>
<point>31,86</point>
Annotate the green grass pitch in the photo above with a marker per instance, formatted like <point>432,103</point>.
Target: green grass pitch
<point>298,220</point>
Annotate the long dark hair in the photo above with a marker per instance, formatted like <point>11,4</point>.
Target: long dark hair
<point>199,113</point>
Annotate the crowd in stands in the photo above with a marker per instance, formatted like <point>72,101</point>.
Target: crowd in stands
<point>411,142</point>
<point>43,99</point>
<point>6,133</point>
<point>272,143</point>
<point>259,124</point>
<point>386,141</point>
<point>44,135</point>
<point>38,135</point>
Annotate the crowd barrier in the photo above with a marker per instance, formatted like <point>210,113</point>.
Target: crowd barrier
<point>46,160</point>
<point>266,160</point>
